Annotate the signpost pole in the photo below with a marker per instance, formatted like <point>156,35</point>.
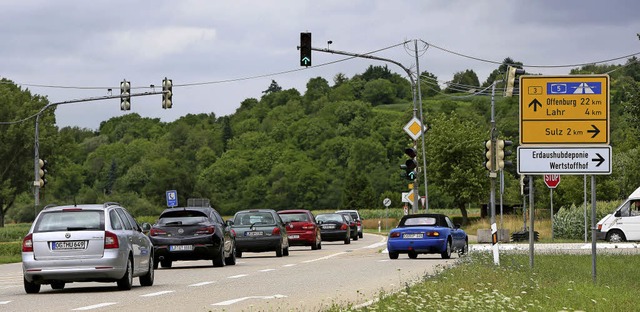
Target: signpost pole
<point>551,196</point>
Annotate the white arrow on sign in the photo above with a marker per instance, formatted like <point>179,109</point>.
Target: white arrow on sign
<point>407,197</point>
<point>564,160</point>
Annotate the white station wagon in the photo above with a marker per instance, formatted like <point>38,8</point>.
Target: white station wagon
<point>86,243</point>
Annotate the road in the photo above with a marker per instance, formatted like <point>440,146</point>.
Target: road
<point>304,281</point>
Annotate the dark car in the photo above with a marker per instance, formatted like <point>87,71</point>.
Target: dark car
<point>334,227</point>
<point>353,226</point>
<point>356,216</point>
<point>192,233</point>
<point>425,234</point>
<point>302,228</point>
<point>260,230</point>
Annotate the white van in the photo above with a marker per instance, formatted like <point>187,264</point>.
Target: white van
<point>624,223</point>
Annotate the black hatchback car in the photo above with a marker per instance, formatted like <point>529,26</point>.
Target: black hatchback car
<point>192,233</point>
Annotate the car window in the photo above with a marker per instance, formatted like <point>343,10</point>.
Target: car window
<point>116,223</point>
<point>449,223</point>
<point>429,221</point>
<point>125,221</point>
<point>217,217</point>
<point>133,221</point>
<point>295,217</point>
<point>254,217</point>
<point>75,220</point>
<point>330,217</point>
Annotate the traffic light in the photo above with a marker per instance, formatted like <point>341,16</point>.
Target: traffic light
<point>125,95</point>
<point>410,165</point>
<point>42,172</point>
<point>501,153</point>
<point>524,185</point>
<point>305,49</point>
<point>513,81</point>
<point>488,153</point>
<point>167,93</point>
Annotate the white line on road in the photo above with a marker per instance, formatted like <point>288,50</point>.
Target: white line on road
<point>201,284</point>
<point>164,292</point>
<point>232,301</point>
<point>289,265</point>
<point>238,276</point>
<point>4,302</point>
<point>95,306</point>
<point>324,258</point>
<point>382,242</point>
<point>267,270</point>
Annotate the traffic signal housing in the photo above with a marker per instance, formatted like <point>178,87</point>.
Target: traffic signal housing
<point>524,185</point>
<point>501,153</point>
<point>42,171</point>
<point>410,165</point>
<point>513,82</point>
<point>125,95</point>
<point>305,49</point>
<point>167,93</point>
<point>488,155</point>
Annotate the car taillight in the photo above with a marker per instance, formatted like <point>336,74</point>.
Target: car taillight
<point>156,232</point>
<point>276,231</point>
<point>308,226</point>
<point>233,233</point>
<point>110,240</point>
<point>599,227</point>
<point>206,230</point>
<point>433,234</point>
<point>344,226</point>
<point>394,234</point>
<point>359,223</point>
<point>27,243</point>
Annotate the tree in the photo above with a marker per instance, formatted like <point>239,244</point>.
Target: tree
<point>466,81</point>
<point>273,87</point>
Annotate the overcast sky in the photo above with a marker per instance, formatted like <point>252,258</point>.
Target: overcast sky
<point>229,51</point>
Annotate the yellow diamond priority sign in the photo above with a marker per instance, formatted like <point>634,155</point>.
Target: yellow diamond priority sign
<point>415,128</point>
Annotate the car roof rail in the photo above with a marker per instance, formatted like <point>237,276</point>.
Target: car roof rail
<point>107,204</point>
<point>49,206</point>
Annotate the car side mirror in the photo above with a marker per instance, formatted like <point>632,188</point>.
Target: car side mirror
<point>229,222</point>
<point>618,214</point>
<point>456,226</point>
<point>146,227</point>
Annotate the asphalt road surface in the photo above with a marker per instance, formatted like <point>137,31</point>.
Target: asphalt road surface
<point>306,280</point>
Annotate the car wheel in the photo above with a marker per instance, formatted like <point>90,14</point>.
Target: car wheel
<point>165,263</point>
<point>147,279</point>
<point>57,285</point>
<point>238,253</point>
<point>347,240</point>
<point>446,254</point>
<point>126,281</point>
<point>279,250</point>
<point>355,237</point>
<point>31,288</point>
<point>616,236</point>
<point>360,235</point>
<point>316,243</point>
<point>285,252</point>
<point>465,249</point>
<point>218,258</point>
<point>413,255</point>
<point>393,255</point>
<point>319,245</point>
<point>231,260</point>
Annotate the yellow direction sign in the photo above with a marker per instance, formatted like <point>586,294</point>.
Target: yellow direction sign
<point>564,109</point>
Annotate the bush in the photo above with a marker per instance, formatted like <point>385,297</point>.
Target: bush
<point>569,222</point>
<point>11,248</point>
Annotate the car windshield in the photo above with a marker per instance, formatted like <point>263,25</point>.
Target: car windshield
<point>182,217</point>
<point>295,217</point>
<point>254,217</point>
<point>70,220</point>
<point>330,217</point>
<point>420,221</point>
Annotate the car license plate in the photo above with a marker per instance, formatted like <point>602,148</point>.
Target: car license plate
<point>180,247</point>
<point>69,245</point>
<point>413,235</point>
<point>253,233</point>
<point>328,226</point>
<point>294,236</point>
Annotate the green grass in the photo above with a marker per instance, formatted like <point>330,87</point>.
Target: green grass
<point>556,283</point>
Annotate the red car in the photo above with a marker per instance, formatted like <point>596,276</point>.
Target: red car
<point>302,228</point>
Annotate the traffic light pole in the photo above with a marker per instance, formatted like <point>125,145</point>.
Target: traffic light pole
<point>416,197</point>
<point>492,176</point>
<point>36,182</point>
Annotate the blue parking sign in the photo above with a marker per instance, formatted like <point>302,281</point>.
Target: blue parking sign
<point>172,198</point>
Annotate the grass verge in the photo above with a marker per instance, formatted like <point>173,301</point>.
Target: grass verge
<point>558,282</point>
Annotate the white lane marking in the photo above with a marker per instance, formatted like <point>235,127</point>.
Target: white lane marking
<point>232,301</point>
<point>95,306</point>
<point>238,276</point>
<point>201,284</point>
<point>289,265</point>
<point>324,258</point>
<point>164,292</point>
<point>4,302</point>
<point>382,242</point>
<point>267,270</point>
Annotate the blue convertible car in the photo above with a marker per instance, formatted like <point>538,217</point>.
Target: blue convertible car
<point>427,233</point>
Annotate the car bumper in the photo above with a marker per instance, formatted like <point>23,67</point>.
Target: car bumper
<point>307,238</point>
<point>420,246</point>
<point>110,267</point>
<point>333,235</point>
<point>258,244</point>
<point>601,235</point>
<point>202,248</point>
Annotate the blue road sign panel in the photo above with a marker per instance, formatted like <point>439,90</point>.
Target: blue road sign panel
<point>172,198</point>
<point>574,88</point>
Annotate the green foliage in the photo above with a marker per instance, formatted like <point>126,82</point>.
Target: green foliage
<point>11,248</point>
<point>569,222</point>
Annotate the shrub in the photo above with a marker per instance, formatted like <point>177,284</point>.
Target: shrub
<point>569,221</point>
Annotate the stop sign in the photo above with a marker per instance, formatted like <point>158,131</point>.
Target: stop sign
<point>552,180</point>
